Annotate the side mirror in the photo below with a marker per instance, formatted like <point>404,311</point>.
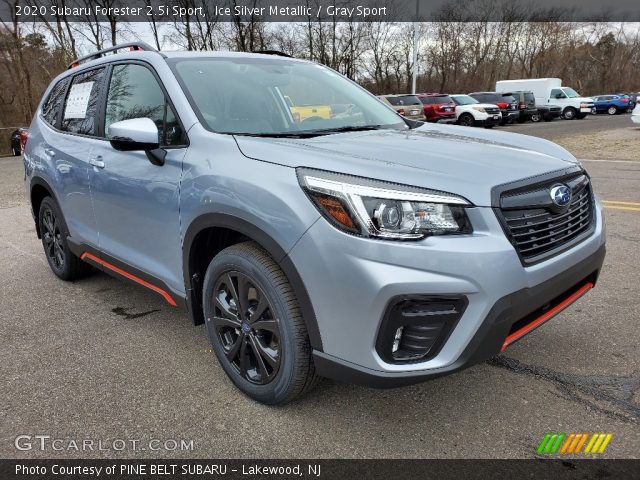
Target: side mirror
<point>134,134</point>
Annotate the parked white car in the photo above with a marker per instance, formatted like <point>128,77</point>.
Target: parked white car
<point>471,113</point>
<point>635,114</point>
<point>550,91</point>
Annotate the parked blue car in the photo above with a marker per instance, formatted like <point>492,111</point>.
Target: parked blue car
<point>612,104</point>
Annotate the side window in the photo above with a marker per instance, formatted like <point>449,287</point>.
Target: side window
<point>135,93</point>
<point>53,105</point>
<point>82,103</point>
<point>557,91</point>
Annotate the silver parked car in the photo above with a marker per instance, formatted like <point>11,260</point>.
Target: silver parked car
<point>363,246</point>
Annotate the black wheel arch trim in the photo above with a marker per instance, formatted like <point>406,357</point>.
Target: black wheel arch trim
<point>41,182</point>
<point>273,248</point>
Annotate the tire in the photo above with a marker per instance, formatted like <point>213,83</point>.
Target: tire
<point>466,120</point>
<point>612,110</point>
<point>569,113</point>
<point>16,152</point>
<point>536,117</point>
<point>272,365</point>
<point>53,230</point>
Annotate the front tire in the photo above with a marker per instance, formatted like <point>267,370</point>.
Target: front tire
<point>536,117</point>
<point>612,110</point>
<point>569,113</point>
<point>16,152</point>
<point>53,231</point>
<point>255,325</point>
<point>466,120</point>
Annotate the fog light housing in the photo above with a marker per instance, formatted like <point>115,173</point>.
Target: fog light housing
<point>415,327</point>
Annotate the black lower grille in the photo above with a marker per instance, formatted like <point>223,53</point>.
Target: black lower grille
<point>415,327</point>
<point>542,229</point>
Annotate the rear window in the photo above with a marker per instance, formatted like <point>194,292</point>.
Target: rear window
<point>408,100</point>
<point>82,103</point>
<point>508,98</point>
<point>51,108</point>
<point>436,99</point>
<point>529,97</point>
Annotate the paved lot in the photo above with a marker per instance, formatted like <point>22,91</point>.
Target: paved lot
<point>101,359</point>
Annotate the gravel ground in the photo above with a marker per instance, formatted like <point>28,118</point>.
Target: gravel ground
<point>101,359</point>
<point>597,136</point>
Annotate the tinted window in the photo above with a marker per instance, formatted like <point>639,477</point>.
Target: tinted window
<point>135,93</point>
<point>82,103</point>
<point>557,91</point>
<point>409,100</point>
<point>426,100</point>
<point>393,100</point>
<point>53,105</point>
<point>508,98</point>
<point>528,97</point>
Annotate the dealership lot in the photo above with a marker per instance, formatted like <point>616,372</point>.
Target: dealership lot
<point>100,359</point>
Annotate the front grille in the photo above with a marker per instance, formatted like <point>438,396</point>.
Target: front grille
<point>542,229</point>
<point>491,110</point>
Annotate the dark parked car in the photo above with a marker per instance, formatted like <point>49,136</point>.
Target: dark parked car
<point>18,139</point>
<point>547,113</point>
<point>438,107</point>
<point>507,103</point>
<point>526,104</point>
<point>612,104</point>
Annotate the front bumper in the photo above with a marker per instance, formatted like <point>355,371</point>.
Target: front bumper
<point>350,281</point>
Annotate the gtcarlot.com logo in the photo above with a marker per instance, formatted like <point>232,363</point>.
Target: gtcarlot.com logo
<point>46,442</point>
<point>574,443</point>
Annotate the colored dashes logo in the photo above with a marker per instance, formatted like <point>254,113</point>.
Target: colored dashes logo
<point>574,443</point>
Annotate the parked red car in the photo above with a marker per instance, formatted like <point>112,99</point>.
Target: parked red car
<point>438,107</point>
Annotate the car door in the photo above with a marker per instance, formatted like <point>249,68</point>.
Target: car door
<point>136,201</point>
<point>67,150</point>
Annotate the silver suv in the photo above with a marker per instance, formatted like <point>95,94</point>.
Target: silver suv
<point>358,245</point>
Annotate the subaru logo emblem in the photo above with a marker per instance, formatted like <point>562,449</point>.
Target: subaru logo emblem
<point>560,195</point>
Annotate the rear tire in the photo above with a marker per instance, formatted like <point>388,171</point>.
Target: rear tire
<point>53,230</point>
<point>255,325</point>
<point>16,152</point>
<point>536,117</point>
<point>569,113</point>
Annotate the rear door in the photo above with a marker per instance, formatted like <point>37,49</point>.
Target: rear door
<point>136,202</point>
<point>68,151</point>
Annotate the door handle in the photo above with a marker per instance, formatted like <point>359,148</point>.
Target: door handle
<point>50,152</point>
<point>97,162</point>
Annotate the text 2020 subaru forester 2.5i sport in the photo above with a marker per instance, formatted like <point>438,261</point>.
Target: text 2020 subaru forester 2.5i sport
<point>363,247</point>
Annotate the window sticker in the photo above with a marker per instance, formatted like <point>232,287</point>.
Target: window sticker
<point>78,100</point>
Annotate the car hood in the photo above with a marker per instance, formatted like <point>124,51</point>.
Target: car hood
<point>461,160</point>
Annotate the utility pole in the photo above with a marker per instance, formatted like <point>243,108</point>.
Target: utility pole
<point>415,49</point>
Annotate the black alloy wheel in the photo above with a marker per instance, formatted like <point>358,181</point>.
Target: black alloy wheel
<point>247,327</point>
<point>52,239</point>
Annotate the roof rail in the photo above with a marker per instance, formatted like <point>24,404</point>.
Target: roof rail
<point>272,52</point>
<point>132,46</point>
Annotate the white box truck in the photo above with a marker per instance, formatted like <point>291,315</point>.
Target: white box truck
<point>551,91</point>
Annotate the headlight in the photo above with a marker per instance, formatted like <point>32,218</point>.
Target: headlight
<point>479,109</point>
<point>385,210</point>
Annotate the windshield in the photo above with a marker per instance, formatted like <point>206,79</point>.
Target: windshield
<point>278,97</point>
<point>464,100</point>
<point>570,92</point>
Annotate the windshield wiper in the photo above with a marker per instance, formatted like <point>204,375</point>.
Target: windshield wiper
<point>311,133</point>
<point>348,128</point>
